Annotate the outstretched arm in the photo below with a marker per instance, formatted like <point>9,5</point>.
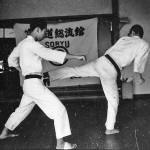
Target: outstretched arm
<point>79,57</point>
<point>54,55</point>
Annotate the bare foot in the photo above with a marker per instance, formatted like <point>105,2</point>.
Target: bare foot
<point>66,146</point>
<point>113,131</point>
<point>2,136</point>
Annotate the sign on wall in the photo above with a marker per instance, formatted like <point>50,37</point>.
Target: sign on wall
<point>78,38</point>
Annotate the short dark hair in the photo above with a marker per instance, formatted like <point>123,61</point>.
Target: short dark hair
<point>37,23</point>
<point>137,29</point>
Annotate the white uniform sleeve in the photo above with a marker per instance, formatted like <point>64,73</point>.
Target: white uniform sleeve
<point>49,54</point>
<point>13,59</point>
<point>141,58</point>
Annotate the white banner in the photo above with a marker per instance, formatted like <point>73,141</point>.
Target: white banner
<point>79,38</point>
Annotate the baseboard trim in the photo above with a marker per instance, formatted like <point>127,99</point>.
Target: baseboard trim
<point>140,96</point>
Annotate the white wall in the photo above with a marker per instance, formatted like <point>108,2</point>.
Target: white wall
<point>14,9</point>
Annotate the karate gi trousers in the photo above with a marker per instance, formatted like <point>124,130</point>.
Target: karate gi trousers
<point>103,69</point>
<point>36,93</point>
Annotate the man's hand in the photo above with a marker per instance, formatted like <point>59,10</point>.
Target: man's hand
<point>138,79</point>
<point>82,57</point>
<point>79,57</point>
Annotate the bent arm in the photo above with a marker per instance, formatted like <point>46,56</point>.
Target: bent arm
<point>139,64</point>
<point>13,59</point>
<point>141,59</point>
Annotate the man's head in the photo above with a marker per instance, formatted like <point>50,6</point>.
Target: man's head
<point>136,30</point>
<point>38,29</point>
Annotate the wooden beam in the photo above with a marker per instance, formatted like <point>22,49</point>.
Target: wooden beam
<point>115,21</point>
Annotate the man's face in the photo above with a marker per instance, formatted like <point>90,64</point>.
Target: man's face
<point>41,34</point>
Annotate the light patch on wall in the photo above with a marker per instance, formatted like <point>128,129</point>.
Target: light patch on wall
<point>1,32</point>
<point>9,33</point>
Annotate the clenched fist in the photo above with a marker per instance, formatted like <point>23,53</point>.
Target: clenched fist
<point>82,57</point>
<point>140,81</point>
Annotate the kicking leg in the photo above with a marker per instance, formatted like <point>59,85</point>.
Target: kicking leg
<point>86,70</point>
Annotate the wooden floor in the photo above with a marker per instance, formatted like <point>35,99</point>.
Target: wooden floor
<point>87,119</point>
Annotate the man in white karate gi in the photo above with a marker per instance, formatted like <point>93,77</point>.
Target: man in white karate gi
<point>126,50</point>
<point>26,58</point>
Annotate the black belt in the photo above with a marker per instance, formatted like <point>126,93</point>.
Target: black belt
<point>33,76</point>
<point>117,69</point>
